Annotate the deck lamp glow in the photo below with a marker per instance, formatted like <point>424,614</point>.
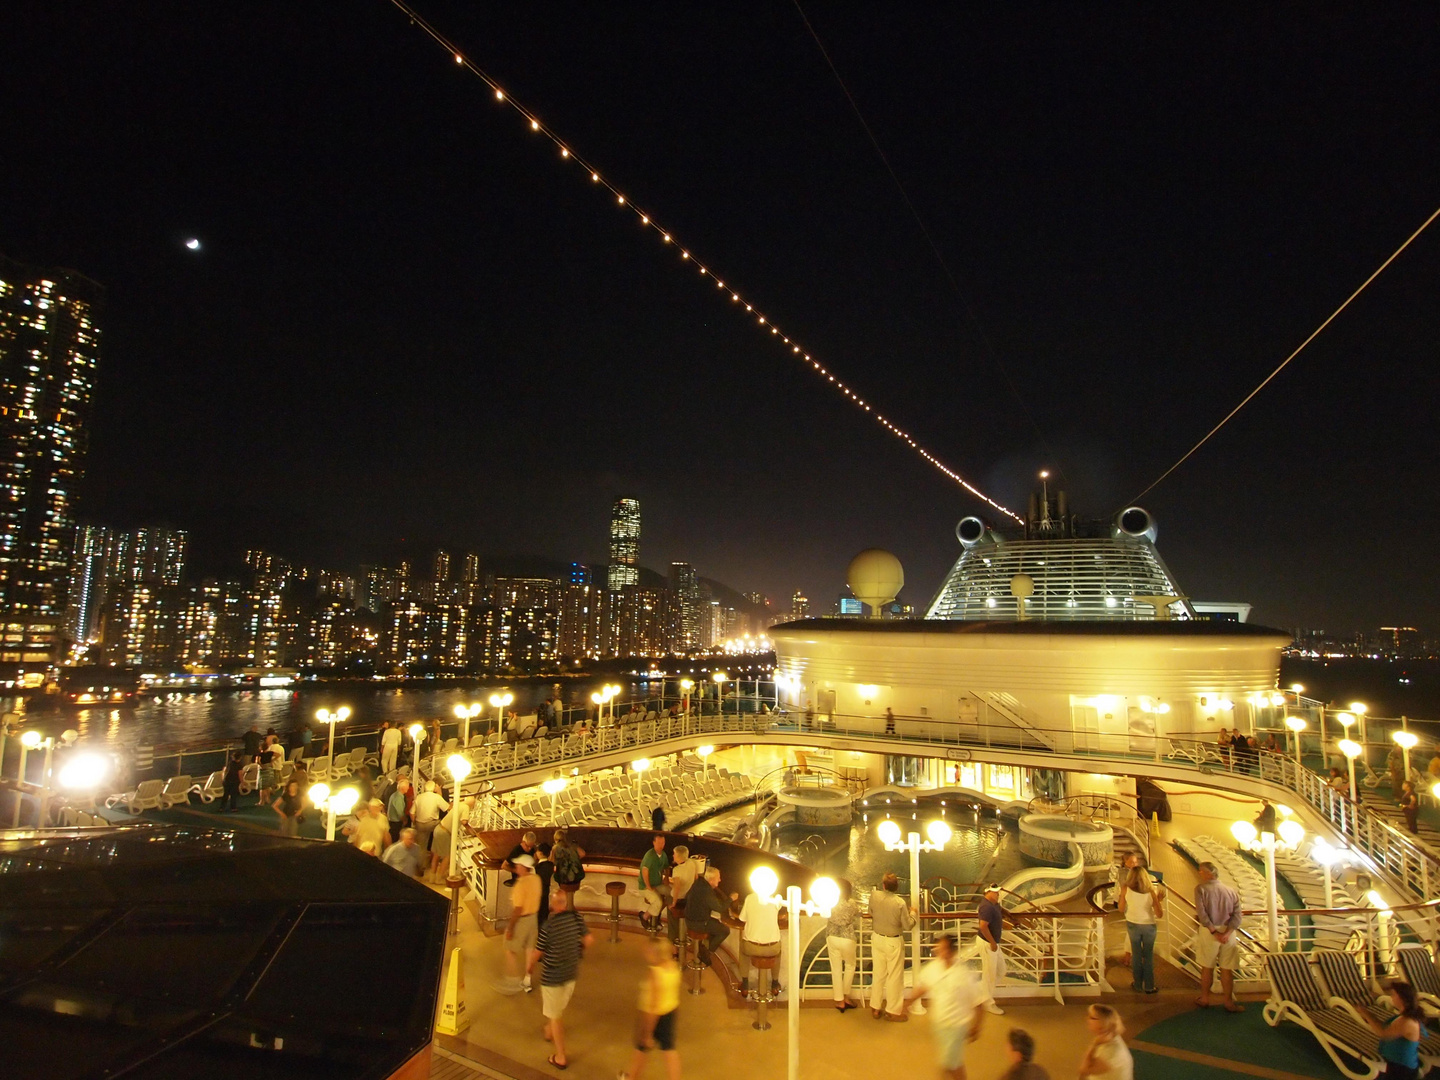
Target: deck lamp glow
<point>939,833</point>
<point>1291,835</point>
<point>84,772</point>
<point>500,702</point>
<point>332,803</point>
<point>1407,741</point>
<point>466,713</point>
<point>460,767</point>
<point>824,895</point>
<point>1296,724</point>
<point>553,787</point>
<point>1351,749</point>
<point>704,753</point>
<point>1326,856</point>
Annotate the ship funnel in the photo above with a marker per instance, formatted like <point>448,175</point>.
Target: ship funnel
<point>1135,522</point>
<point>972,531</point>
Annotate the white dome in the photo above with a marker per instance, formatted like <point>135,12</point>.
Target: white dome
<point>876,577</point>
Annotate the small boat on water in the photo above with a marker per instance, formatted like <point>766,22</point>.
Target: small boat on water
<point>96,686</point>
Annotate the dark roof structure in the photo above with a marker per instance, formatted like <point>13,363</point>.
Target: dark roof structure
<point>172,951</point>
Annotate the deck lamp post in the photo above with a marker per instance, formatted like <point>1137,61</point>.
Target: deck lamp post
<point>1359,709</point>
<point>1296,724</point>
<point>500,702</point>
<point>33,740</point>
<point>720,679</point>
<point>686,685</point>
<point>417,735</point>
<point>824,895</point>
<point>1407,741</point>
<point>466,713</point>
<point>939,833</point>
<point>332,803</point>
<point>638,766</point>
<point>459,768</point>
<point>1290,834</point>
<point>704,753</point>
<point>331,718</point>
<point>1326,856</point>
<point>1351,749</point>
<point>553,787</point>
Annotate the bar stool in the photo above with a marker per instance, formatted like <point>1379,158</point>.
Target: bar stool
<point>615,890</point>
<point>697,964</point>
<point>764,990</point>
<point>677,920</point>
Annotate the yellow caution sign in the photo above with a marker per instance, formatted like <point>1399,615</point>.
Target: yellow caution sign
<point>1155,823</point>
<point>453,1018</point>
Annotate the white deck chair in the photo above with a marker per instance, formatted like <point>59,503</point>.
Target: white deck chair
<point>146,796</point>
<point>212,789</point>
<point>176,792</point>
<point>319,770</point>
<point>1295,996</point>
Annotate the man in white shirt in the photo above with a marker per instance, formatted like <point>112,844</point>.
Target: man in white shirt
<point>428,807</point>
<point>389,748</point>
<point>682,876</point>
<point>760,937</point>
<point>957,1005</point>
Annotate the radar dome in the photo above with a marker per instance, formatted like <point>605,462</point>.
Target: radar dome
<point>875,577</point>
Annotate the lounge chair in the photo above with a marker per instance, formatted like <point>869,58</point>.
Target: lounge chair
<point>212,789</point>
<point>146,796</point>
<point>176,792</point>
<point>1295,996</point>
<point>250,778</point>
<point>319,769</point>
<point>1352,993</point>
<point>1420,972</point>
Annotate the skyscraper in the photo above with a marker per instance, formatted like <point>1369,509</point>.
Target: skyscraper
<point>49,349</point>
<point>106,561</point>
<point>624,544</point>
<point>686,586</point>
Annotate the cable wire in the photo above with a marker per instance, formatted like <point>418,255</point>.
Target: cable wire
<point>1314,334</point>
<point>567,153</point>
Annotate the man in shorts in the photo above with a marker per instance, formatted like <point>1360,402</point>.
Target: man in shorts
<point>957,1005</point>
<point>1217,910</point>
<point>562,942</point>
<point>522,929</point>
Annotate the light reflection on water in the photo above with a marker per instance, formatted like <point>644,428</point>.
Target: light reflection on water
<point>858,855</point>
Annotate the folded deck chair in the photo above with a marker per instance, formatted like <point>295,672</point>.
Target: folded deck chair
<point>1294,996</point>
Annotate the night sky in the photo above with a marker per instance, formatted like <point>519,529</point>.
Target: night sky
<point>410,324</point>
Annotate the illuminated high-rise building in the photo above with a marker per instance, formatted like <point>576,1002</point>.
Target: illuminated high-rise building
<point>624,544</point>
<point>799,605</point>
<point>49,349</point>
<point>686,586</point>
<point>442,566</point>
<point>472,568</point>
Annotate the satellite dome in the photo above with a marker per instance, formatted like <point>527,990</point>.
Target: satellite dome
<point>875,577</point>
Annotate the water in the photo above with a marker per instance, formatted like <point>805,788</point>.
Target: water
<point>1388,687</point>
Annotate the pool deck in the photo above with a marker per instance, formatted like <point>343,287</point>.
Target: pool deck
<point>715,1036</point>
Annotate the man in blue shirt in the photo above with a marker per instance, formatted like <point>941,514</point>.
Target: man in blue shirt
<point>992,960</point>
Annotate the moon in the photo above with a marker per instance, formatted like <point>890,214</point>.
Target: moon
<point>193,244</point>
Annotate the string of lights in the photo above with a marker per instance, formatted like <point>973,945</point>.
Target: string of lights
<point>568,154</point>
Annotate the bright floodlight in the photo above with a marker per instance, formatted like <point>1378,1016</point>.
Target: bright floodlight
<point>720,677</point>
<point>640,764</point>
<point>318,794</point>
<point>1244,833</point>
<point>598,698</point>
<point>705,751</point>
<point>417,732</point>
<point>938,832</point>
<point>1358,707</point>
<point>1350,748</point>
<point>1296,723</point>
<point>84,772</point>
<point>554,785</point>
<point>31,739</point>
<point>459,766</point>
<point>344,712</point>
<point>344,800</point>
<point>1435,790</point>
<point>1277,700</point>
<point>825,892</point>
<point>1283,810</point>
<point>687,684</point>
<point>764,881</point>
<point>1376,900</point>
<point>461,712</point>
<point>1345,720</point>
<point>1405,739</point>
<point>889,832</point>
<point>1323,853</point>
<point>1297,688</point>
<point>1292,832</point>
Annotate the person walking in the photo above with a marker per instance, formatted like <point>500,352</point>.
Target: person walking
<point>558,949</point>
<point>1400,1035</point>
<point>957,1005</point>
<point>389,747</point>
<point>289,804</point>
<point>654,892</point>
<point>370,827</point>
<point>991,921</point>
<point>405,855</point>
<point>659,1007</point>
<point>522,929</point>
<point>1217,910</point>
<point>1021,1049</point>
<point>890,919</point>
<point>1410,807</point>
<point>840,941</point>
<point>1107,1057</point>
<point>234,770</point>
<point>1142,904</point>
<point>428,808</point>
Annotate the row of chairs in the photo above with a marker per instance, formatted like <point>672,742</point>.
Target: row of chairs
<point>1329,931</point>
<point>605,798</point>
<point>154,795</point>
<point>73,817</point>
<point>1331,1010</point>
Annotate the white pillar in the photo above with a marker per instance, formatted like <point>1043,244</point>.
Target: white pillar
<point>792,1012</point>
<point>914,845</point>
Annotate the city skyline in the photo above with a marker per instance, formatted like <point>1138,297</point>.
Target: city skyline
<point>497,356</point>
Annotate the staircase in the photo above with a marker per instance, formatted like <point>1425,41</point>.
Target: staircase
<point>1008,708</point>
